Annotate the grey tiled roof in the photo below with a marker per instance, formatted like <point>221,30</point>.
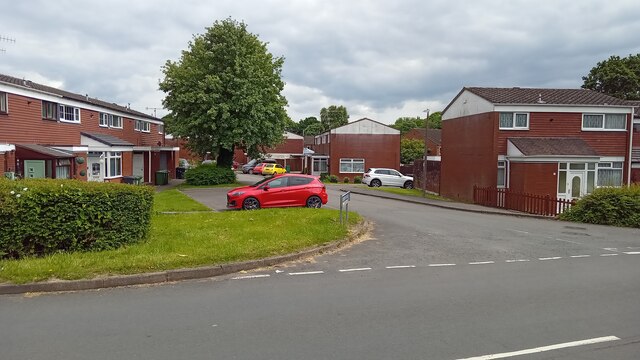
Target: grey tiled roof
<point>531,146</point>
<point>517,95</point>
<point>107,139</point>
<point>54,153</point>
<point>69,95</point>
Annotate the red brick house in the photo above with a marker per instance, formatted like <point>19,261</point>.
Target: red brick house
<point>434,139</point>
<point>349,150</point>
<point>558,142</point>
<point>288,153</point>
<point>51,133</point>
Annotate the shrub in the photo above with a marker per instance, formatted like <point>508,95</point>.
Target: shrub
<point>44,216</point>
<point>608,206</point>
<point>333,179</point>
<point>209,174</point>
<point>357,179</point>
<point>324,177</point>
<point>346,180</point>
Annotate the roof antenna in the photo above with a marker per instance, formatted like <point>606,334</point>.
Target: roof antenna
<point>2,38</point>
<point>540,101</point>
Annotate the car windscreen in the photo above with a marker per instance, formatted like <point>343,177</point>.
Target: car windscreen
<point>261,182</point>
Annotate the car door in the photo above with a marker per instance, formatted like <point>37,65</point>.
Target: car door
<point>383,176</point>
<point>396,178</point>
<point>300,190</point>
<point>275,192</point>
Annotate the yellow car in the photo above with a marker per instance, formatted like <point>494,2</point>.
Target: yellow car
<point>273,169</point>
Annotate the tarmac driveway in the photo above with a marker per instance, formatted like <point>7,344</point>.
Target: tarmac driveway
<point>216,198</point>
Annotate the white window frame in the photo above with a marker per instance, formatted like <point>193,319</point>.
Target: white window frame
<point>351,162</point>
<point>143,126</point>
<point>117,156</point>
<point>513,121</point>
<point>4,103</point>
<point>75,112</point>
<point>502,164</point>
<point>112,121</point>
<point>105,120</point>
<point>604,123</point>
<point>610,165</point>
<point>160,129</point>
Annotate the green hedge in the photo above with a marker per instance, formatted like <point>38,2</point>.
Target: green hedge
<point>210,174</point>
<point>333,179</point>
<point>357,180</point>
<point>608,206</point>
<point>39,217</point>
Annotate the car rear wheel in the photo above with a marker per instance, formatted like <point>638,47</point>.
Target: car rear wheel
<point>314,202</point>
<point>251,203</point>
<point>376,183</point>
<point>408,184</point>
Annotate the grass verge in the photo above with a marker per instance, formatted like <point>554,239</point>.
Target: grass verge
<point>174,201</point>
<point>406,192</point>
<point>192,240</point>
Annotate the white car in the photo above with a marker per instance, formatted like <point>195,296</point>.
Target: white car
<point>376,177</point>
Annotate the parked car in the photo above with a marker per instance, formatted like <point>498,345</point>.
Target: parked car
<point>258,168</point>
<point>273,169</point>
<point>246,168</point>
<point>376,177</point>
<point>235,165</point>
<point>279,191</point>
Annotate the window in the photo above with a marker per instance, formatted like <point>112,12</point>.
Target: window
<point>515,121</point>
<point>604,122</point>
<point>502,173</point>
<point>63,169</point>
<point>636,128</point>
<point>351,165</point>
<point>142,126</point>
<point>104,119</point>
<point>297,180</point>
<point>49,110</point>
<point>114,164</point>
<point>3,103</point>
<point>278,182</point>
<point>69,113</point>
<point>116,122</point>
<point>610,174</point>
<point>382,172</point>
<point>160,129</point>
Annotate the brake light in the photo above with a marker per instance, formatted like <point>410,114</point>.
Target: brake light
<point>366,175</point>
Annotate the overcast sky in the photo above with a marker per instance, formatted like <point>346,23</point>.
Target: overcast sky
<point>381,59</point>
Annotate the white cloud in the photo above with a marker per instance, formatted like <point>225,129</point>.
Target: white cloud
<point>381,59</point>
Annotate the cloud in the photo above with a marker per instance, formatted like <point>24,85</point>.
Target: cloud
<point>380,59</point>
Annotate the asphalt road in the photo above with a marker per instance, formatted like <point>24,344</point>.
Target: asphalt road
<point>430,284</point>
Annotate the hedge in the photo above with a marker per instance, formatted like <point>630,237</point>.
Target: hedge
<point>608,206</point>
<point>44,216</point>
<point>210,174</point>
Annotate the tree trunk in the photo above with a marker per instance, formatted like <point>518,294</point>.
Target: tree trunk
<point>225,158</point>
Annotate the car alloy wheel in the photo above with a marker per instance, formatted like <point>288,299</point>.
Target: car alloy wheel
<point>251,203</point>
<point>376,183</point>
<point>408,185</point>
<point>314,202</point>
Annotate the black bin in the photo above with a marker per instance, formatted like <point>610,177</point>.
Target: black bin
<point>180,172</point>
<point>128,180</point>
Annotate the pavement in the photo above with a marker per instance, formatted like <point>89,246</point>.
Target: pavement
<point>214,199</point>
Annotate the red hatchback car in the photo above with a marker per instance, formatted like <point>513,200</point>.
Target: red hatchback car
<point>279,191</point>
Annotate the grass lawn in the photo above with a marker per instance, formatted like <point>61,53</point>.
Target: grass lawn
<point>191,240</point>
<point>174,201</point>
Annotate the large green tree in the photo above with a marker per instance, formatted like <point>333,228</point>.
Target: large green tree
<point>333,117</point>
<point>405,124</point>
<point>616,76</point>
<point>411,149</point>
<point>225,91</point>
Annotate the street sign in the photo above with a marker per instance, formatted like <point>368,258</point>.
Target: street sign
<point>344,201</point>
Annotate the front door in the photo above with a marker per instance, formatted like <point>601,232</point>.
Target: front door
<point>138,165</point>
<point>576,184</point>
<point>320,165</point>
<point>34,169</point>
<point>95,168</point>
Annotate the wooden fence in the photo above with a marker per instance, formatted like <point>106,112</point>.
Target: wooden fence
<point>529,203</point>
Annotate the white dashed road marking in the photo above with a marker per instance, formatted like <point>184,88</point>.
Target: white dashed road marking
<point>400,267</point>
<point>580,256</point>
<point>306,273</point>
<point>546,348</point>
<point>437,265</point>
<point>482,262</point>
<point>358,269</point>
<point>516,260</point>
<point>550,258</point>
<point>633,253</point>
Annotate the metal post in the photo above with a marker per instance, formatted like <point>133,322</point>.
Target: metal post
<point>426,151</point>
<point>347,214</point>
<point>340,210</point>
